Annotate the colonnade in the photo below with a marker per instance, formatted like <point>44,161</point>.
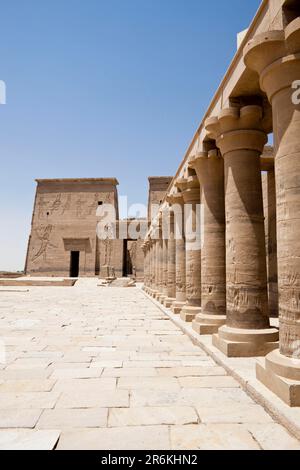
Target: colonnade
<point>221,285</point>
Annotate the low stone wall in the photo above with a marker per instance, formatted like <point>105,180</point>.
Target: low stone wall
<point>37,283</point>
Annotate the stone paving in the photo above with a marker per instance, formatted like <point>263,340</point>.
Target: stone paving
<point>92,367</point>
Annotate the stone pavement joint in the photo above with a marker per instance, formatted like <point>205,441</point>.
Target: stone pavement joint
<point>92,362</point>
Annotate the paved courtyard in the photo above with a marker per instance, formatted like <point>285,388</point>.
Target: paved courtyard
<point>92,367</point>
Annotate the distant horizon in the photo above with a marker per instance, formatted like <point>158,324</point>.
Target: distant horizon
<point>105,88</point>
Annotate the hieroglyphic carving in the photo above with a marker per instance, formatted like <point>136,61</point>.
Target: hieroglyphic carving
<point>107,251</point>
<point>83,208</point>
<point>132,252</point>
<point>80,203</point>
<point>43,234</point>
<point>67,205</point>
<point>93,205</point>
<point>42,206</point>
<point>56,204</point>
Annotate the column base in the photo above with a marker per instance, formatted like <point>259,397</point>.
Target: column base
<point>189,313</point>
<point>156,294</point>
<point>281,375</point>
<point>236,342</point>
<point>205,324</point>
<point>169,301</point>
<point>161,298</point>
<point>177,307</point>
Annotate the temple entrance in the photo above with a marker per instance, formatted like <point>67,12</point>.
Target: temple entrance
<point>127,261</point>
<point>74,264</point>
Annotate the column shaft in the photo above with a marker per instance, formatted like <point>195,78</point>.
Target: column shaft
<point>241,138</point>
<point>171,281</point>
<point>275,56</point>
<point>191,195</point>
<point>180,262</point>
<point>210,171</point>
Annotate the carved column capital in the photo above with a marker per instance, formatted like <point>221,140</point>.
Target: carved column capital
<point>238,129</point>
<point>201,163</point>
<point>189,188</point>
<point>275,56</point>
<point>175,199</point>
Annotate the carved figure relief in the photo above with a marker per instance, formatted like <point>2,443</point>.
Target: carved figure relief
<point>42,207</point>
<point>132,252</point>
<point>43,234</point>
<point>54,207</point>
<point>107,251</point>
<point>67,205</point>
<point>80,204</point>
<point>92,207</point>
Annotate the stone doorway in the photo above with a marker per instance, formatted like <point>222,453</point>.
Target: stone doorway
<point>74,263</point>
<point>127,261</point>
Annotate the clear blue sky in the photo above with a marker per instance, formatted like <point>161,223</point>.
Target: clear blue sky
<point>104,88</point>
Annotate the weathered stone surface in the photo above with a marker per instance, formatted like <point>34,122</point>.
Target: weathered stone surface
<point>208,382</point>
<point>19,386</point>
<point>161,376</point>
<point>191,371</point>
<point>94,399</point>
<point>73,418</point>
<point>136,437</point>
<point>28,439</point>
<point>212,437</point>
<point>130,372</point>
<point>233,413</point>
<point>28,400</point>
<point>188,396</point>
<point>272,436</point>
<point>90,385</point>
<point>149,383</point>
<point>76,373</point>
<point>21,418</point>
<point>152,415</point>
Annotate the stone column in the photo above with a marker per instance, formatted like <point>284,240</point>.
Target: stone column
<point>164,255</point>
<point>240,136</point>
<point>171,282</point>
<point>145,251</point>
<point>269,193</point>
<point>159,261</point>
<point>148,243</point>
<point>180,278</point>
<point>148,290</point>
<point>191,195</point>
<point>275,56</point>
<point>156,268</point>
<point>153,263</point>
<point>210,172</point>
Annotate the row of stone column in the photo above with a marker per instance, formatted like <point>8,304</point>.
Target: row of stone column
<point>222,285</point>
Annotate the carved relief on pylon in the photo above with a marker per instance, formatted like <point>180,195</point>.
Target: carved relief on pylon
<point>56,204</point>
<point>80,207</point>
<point>67,204</point>
<point>42,207</point>
<point>43,234</point>
<point>107,251</point>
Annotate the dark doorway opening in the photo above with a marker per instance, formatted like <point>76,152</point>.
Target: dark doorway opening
<point>127,262</point>
<point>74,264</point>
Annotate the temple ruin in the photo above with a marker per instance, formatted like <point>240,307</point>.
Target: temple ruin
<point>247,269</point>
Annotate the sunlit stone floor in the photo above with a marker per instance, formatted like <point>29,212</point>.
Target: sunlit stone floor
<point>90,367</point>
